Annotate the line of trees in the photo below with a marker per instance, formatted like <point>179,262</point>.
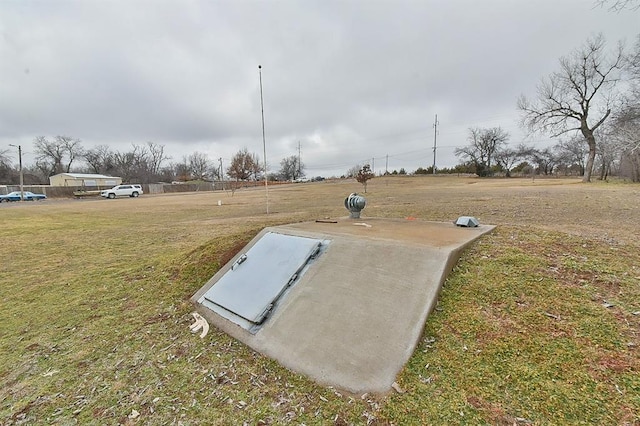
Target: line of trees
<point>64,154</point>
<point>484,146</point>
<point>566,157</point>
<point>489,155</point>
<point>144,163</point>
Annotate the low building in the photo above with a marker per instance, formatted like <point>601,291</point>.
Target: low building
<point>84,180</point>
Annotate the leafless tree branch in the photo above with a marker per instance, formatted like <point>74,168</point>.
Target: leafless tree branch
<point>618,5</point>
<point>583,86</point>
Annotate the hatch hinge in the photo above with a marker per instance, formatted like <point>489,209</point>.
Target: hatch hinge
<point>239,261</point>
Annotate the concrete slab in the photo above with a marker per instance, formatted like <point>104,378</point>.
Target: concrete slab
<point>355,317</point>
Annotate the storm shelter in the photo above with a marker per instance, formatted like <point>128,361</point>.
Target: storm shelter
<point>343,302</point>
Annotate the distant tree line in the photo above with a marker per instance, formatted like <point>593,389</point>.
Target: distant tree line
<point>143,163</point>
<point>488,154</point>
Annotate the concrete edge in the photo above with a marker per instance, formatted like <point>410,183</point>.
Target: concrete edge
<point>452,259</point>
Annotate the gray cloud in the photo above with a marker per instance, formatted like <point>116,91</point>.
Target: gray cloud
<point>349,80</point>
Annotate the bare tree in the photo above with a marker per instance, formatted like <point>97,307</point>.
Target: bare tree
<point>623,134</point>
<point>545,159</point>
<point>125,165</point>
<point>291,168</point>
<point>200,166</point>
<point>49,156</point>
<point>632,67</point>
<point>167,173</point>
<point>482,148</point>
<point>214,171</point>
<point>73,149</point>
<point>100,159</point>
<point>242,165</point>
<point>143,163</point>
<point>629,113</point>
<point>567,100</point>
<point>365,174</point>
<point>626,132</point>
<point>572,152</point>
<point>507,158</point>
<point>155,158</point>
<point>181,170</point>
<point>7,172</point>
<point>57,156</point>
<point>619,5</point>
<point>256,167</point>
<point>625,140</point>
<point>353,171</point>
<point>5,157</point>
<point>607,158</point>
<point>132,165</point>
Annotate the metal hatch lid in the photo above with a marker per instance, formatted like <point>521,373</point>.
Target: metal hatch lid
<point>258,277</point>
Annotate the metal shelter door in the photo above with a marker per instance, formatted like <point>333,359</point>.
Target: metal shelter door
<point>258,277</point>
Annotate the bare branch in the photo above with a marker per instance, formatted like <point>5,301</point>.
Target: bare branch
<point>619,5</point>
<point>568,98</point>
<point>484,144</point>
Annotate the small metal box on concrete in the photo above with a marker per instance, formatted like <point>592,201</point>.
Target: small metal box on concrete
<point>467,222</point>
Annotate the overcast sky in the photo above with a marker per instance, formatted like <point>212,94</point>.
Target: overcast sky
<point>350,81</point>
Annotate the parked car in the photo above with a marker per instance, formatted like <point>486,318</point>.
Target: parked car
<point>28,196</point>
<point>122,191</point>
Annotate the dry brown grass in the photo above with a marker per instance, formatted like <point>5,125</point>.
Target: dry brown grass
<point>95,309</point>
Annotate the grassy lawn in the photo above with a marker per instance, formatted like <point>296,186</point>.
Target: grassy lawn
<point>538,323</point>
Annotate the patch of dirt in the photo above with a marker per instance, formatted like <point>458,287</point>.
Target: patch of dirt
<point>227,255</point>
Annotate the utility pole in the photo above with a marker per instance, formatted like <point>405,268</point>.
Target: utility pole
<point>386,165</point>
<point>373,165</point>
<point>20,170</point>
<point>221,173</point>
<point>435,135</point>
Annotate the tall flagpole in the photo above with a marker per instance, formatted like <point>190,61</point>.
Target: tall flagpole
<point>435,135</point>
<point>264,143</point>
